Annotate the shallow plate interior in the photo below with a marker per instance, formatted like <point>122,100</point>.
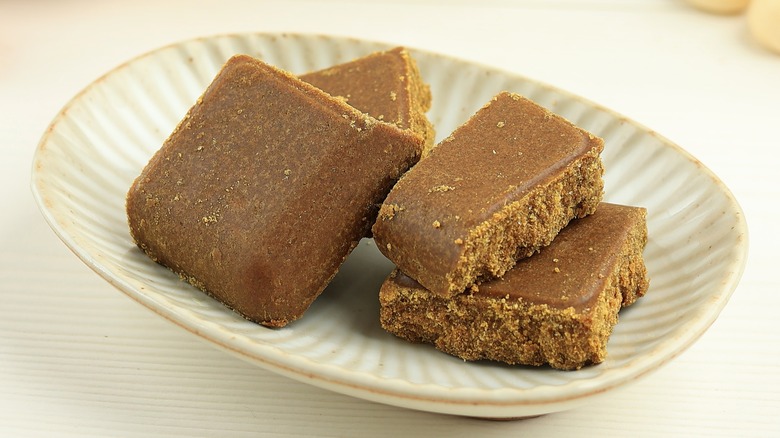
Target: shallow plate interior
<point>104,136</point>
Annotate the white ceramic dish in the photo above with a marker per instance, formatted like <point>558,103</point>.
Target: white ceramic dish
<point>104,136</point>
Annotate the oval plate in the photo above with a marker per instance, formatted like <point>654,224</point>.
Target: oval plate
<point>103,137</point>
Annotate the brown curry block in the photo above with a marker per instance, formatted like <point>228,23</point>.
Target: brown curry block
<point>385,85</point>
<point>264,188</point>
<point>557,307</point>
<point>499,188</point>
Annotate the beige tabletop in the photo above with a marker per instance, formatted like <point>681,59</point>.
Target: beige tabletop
<point>78,358</point>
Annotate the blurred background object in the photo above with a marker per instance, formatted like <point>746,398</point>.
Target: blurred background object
<point>721,6</point>
<point>763,18</point>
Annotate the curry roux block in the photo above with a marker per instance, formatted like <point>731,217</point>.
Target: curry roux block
<point>264,188</point>
<point>497,189</point>
<point>556,307</point>
<point>385,85</point>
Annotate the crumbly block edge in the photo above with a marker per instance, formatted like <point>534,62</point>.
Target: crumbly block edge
<point>420,102</point>
<point>475,327</point>
<point>523,227</point>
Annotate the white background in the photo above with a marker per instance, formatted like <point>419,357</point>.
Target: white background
<point>79,358</point>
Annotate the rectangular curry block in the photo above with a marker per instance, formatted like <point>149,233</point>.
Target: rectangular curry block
<point>264,188</point>
<point>499,188</point>
<point>385,85</point>
<point>557,307</point>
